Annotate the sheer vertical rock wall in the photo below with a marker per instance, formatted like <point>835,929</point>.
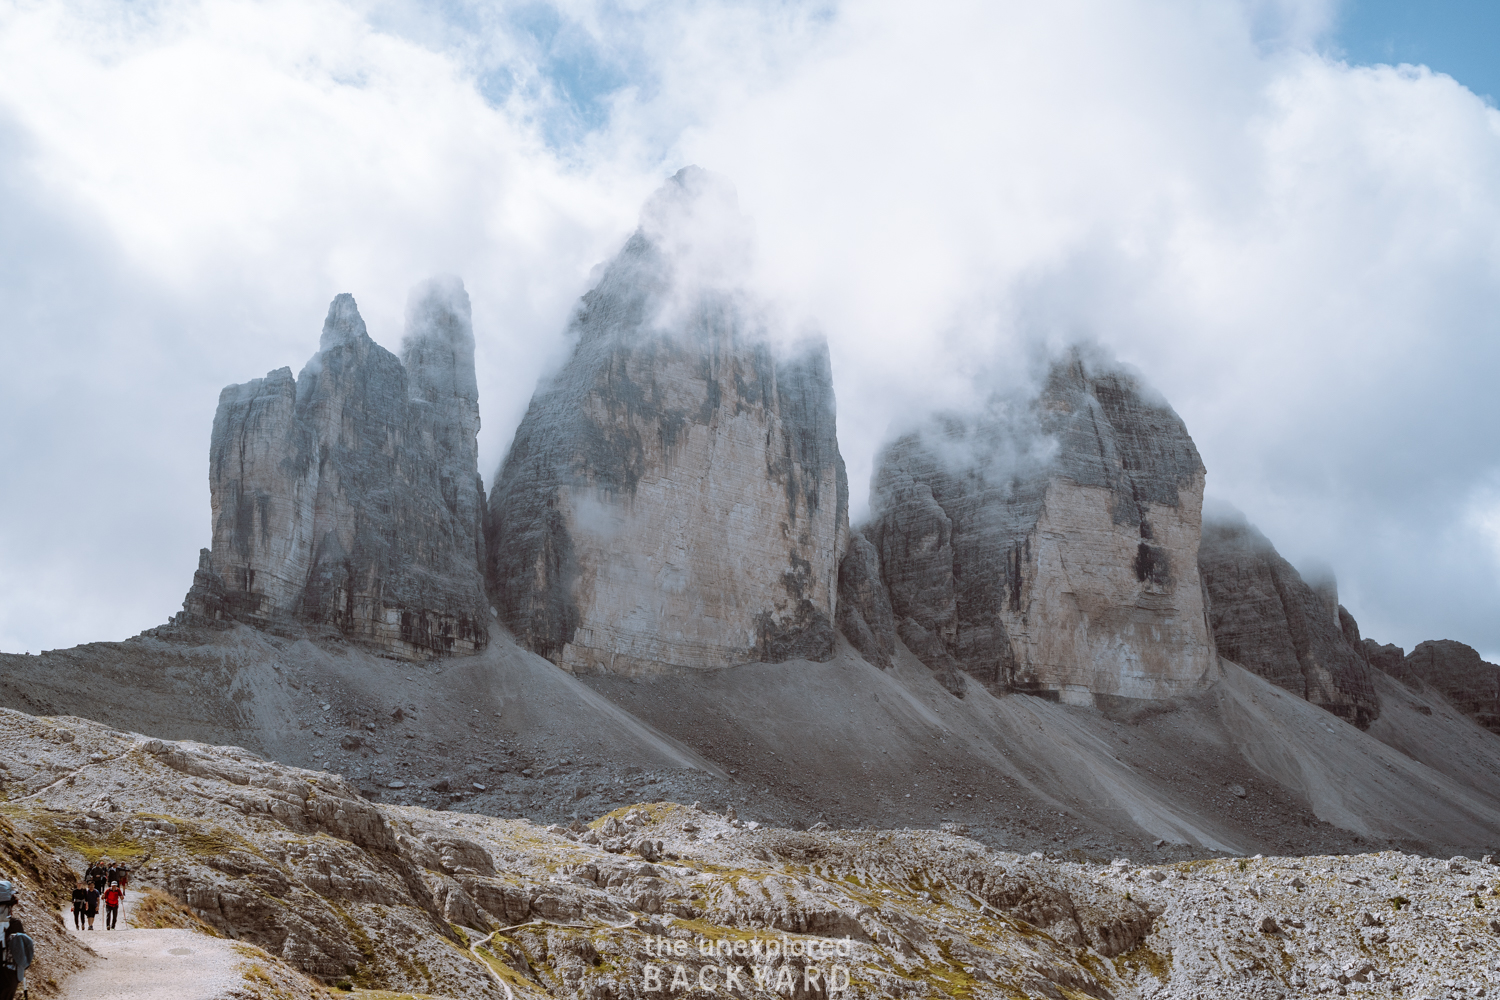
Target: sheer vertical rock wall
<point>675,495</point>
<point>1051,547</point>
<point>1269,620</point>
<point>349,497</point>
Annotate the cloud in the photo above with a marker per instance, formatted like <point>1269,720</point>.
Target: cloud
<point>1300,254</point>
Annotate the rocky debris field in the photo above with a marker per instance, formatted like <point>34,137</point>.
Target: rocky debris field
<point>506,733</point>
<point>450,904</point>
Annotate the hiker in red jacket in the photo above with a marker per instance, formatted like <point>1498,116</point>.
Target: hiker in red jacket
<point>112,897</point>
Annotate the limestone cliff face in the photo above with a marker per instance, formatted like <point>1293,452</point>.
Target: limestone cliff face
<point>1268,619</point>
<point>1050,546</point>
<point>349,496</point>
<point>675,494</point>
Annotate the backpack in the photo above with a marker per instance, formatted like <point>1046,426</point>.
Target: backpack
<point>19,950</point>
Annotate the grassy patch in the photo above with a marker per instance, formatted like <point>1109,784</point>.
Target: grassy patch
<point>210,840</point>
<point>1142,957</point>
<point>654,811</point>
<point>88,844</point>
<point>364,975</point>
<point>502,969</point>
<point>157,910</point>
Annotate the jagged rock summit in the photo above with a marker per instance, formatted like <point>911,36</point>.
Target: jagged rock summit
<point>1045,545</point>
<point>348,498</point>
<point>1268,619</point>
<point>675,494</point>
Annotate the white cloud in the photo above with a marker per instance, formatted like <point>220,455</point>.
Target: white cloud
<point>1300,254</point>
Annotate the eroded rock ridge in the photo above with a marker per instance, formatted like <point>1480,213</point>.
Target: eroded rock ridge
<point>349,497</point>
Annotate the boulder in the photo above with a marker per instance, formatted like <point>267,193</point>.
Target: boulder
<point>1050,544</point>
<point>1269,620</point>
<point>348,498</point>
<point>675,494</point>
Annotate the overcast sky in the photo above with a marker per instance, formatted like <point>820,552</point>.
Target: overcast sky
<point>1298,245</point>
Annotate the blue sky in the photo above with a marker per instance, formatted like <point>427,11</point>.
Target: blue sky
<point>1457,37</point>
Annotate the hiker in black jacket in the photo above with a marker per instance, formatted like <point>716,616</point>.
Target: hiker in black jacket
<point>97,876</point>
<point>80,905</point>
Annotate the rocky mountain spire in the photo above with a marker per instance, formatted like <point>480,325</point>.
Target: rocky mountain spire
<point>348,497</point>
<point>1050,545</point>
<point>675,494</point>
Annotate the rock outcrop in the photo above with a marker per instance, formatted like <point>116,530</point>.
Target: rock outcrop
<point>675,494</point>
<point>1454,670</point>
<point>348,497</point>
<point>1050,545</point>
<point>1269,620</point>
<point>1384,656</point>
<point>864,611</point>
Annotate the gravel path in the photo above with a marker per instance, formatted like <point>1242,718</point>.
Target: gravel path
<point>164,964</point>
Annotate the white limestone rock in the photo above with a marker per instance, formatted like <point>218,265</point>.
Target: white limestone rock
<point>1051,546</point>
<point>675,494</point>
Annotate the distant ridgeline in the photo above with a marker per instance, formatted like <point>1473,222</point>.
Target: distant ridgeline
<point>675,497</point>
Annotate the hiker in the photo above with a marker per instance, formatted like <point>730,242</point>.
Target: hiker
<point>95,876</point>
<point>91,895</point>
<point>112,897</point>
<point>17,949</point>
<point>119,873</point>
<point>80,905</point>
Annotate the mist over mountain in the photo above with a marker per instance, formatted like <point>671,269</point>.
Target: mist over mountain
<point>1034,642</point>
<point>672,519</point>
<point>971,500</point>
<point>1297,249</point>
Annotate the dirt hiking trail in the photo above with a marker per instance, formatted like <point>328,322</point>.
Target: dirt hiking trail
<point>165,964</point>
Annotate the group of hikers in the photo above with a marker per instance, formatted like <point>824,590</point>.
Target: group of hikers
<point>104,881</point>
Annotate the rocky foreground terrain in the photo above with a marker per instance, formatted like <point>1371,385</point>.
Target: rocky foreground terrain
<point>294,863</point>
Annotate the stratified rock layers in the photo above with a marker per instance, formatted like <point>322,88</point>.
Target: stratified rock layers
<point>1051,547</point>
<point>1269,620</point>
<point>349,497</point>
<point>675,495</point>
